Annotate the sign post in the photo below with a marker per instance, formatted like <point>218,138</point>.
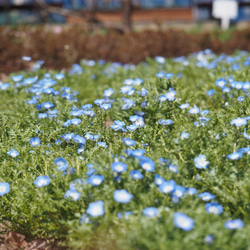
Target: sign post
<point>225,10</point>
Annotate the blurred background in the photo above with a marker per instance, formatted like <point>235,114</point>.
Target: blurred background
<point>141,12</point>
<point>59,33</point>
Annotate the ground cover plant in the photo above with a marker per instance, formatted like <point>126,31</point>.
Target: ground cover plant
<point>106,155</point>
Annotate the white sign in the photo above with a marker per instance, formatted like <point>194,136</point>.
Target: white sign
<point>225,10</point>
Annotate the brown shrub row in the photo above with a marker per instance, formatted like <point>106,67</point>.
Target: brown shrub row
<point>71,44</point>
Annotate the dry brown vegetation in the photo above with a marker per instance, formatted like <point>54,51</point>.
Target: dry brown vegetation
<point>60,47</point>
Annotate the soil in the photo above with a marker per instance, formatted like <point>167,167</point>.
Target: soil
<point>15,241</point>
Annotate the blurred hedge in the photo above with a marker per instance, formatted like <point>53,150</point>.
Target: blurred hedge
<point>61,47</point>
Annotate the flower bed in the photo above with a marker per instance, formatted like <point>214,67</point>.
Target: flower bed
<point>153,156</point>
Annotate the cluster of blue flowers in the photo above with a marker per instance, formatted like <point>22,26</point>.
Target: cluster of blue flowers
<point>130,158</point>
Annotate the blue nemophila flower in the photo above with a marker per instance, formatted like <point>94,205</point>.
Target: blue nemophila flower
<point>138,81</point>
<point>166,122</point>
<point>105,106</point>
<point>90,113</point>
<point>13,153</point>
<point>68,137</point>
<point>77,112</point>
<point>5,86</point>
<point>26,58</point>
<point>76,69</point>
<point>76,184</point>
<point>169,75</point>
<point>163,160</point>
<point>31,102</point>
<point>246,135</point>
<point>52,113</point>
<point>239,122</point>
<point>119,166</point>
<point>67,123</point>
<point>61,164</point>
<point>234,224</point>
<point>132,127</point>
<point>119,123</point>
<point>79,139</point>
<point>162,98</point>
<point>73,194</point>
<point>42,181</point>
<point>147,164</point>
<point>139,122</point>
<point>42,115</point>
<point>128,82</point>
<point>184,106</point>
<point>204,112</point>
<point>234,156</point>
<point>91,137</point>
<point>117,127</point>
<point>47,105</point>
<point>108,92</point>
<point>72,170</point>
<point>86,106</point>
<point>150,212</point>
<point>136,174</point>
<point>220,82</point>
<point>143,92</point>
<point>194,110</point>
<point>102,144</point>
<point>210,92</point>
<point>184,135</point>
<point>158,180</point>
<point>122,196</point>
<point>35,141</point>
<point>140,113</point>
<point>204,120</point>
<point>209,239</point>
<point>134,118</point>
<point>173,168</point>
<point>96,209</point>
<point>214,208</point>
<point>226,90</point>
<point>170,95</point>
<point>191,191</point>
<point>179,191</point>
<point>95,180</point>
<point>201,161</point>
<point>90,165</point>
<point>206,196</point>
<point>184,222</point>
<point>160,59</point>
<point>167,186</point>
<point>160,75</point>
<point>4,188</point>
<point>135,153</point>
<point>128,103</point>
<point>128,142</point>
<point>75,121</point>
<point>124,215</point>
<point>59,76</point>
<point>17,78</point>
<point>244,150</point>
<point>129,90</point>
<point>99,101</point>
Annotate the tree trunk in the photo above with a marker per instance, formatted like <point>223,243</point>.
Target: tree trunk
<point>127,13</point>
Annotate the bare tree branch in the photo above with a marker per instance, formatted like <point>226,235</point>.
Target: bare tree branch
<point>64,12</point>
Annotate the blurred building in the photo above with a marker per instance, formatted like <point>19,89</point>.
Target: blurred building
<point>25,11</point>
